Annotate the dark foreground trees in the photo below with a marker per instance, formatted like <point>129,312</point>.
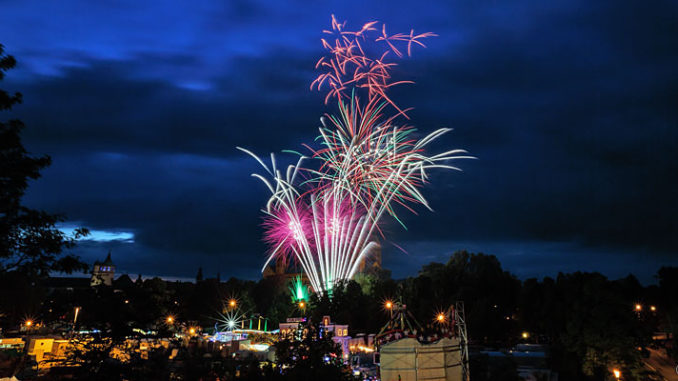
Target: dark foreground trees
<point>31,246</point>
<point>30,243</point>
<point>314,357</point>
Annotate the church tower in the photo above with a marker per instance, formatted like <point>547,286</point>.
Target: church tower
<point>103,272</point>
<point>372,261</point>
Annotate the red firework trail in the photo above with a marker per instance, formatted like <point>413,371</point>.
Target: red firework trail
<point>347,66</point>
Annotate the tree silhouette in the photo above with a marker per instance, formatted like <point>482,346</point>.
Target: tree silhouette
<point>30,243</point>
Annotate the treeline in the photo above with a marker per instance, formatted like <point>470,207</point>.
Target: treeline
<point>589,322</point>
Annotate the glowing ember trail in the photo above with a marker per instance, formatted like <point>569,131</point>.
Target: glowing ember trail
<point>324,216</point>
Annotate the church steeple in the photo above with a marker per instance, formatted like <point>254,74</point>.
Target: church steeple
<point>108,261</point>
<point>103,272</point>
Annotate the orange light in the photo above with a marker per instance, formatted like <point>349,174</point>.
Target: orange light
<point>232,303</point>
<point>388,305</point>
<point>639,307</point>
<point>525,335</point>
<point>440,317</point>
<point>29,323</point>
<point>191,331</point>
<point>170,319</point>
<point>302,305</point>
<point>365,349</point>
<point>653,308</point>
<point>617,373</point>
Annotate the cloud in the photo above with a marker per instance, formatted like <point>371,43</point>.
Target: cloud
<point>570,108</point>
<point>98,235</point>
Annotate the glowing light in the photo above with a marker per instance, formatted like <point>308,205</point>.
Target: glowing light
<point>365,349</point>
<point>639,307</point>
<point>75,317</point>
<point>388,305</point>
<point>255,347</point>
<point>366,169</point>
<point>525,335</point>
<point>232,303</point>
<point>230,320</point>
<point>302,305</point>
<point>191,331</point>
<point>170,319</point>
<point>259,347</point>
<point>653,308</point>
<point>295,229</point>
<point>28,323</point>
<point>298,289</point>
<point>617,373</point>
<point>440,318</point>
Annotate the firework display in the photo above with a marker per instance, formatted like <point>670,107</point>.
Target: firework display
<point>325,216</point>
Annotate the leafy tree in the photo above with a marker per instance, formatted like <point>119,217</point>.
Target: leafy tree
<point>30,243</point>
<point>489,293</point>
<point>347,304</point>
<point>315,357</point>
<point>589,322</point>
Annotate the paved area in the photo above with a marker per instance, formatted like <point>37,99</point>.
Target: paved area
<point>659,362</point>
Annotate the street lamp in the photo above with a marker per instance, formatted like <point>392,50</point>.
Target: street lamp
<point>525,335</point>
<point>653,308</point>
<point>170,319</point>
<point>28,323</point>
<point>389,306</point>
<point>75,318</point>
<point>639,307</point>
<point>617,373</point>
<point>232,303</point>
<point>440,318</point>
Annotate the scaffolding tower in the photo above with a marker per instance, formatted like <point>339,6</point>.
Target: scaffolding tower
<point>460,322</point>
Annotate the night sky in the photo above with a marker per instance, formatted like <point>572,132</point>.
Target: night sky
<point>571,107</point>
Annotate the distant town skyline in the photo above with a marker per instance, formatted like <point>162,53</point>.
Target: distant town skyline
<point>569,106</point>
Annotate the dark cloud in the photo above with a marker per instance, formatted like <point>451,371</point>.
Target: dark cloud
<point>570,108</point>
<point>104,106</point>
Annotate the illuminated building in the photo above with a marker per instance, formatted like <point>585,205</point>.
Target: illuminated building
<point>15,343</point>
<point>103,272</point>
<point>339,332</point>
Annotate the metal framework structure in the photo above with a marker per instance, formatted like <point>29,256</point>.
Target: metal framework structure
<point>460,322</point>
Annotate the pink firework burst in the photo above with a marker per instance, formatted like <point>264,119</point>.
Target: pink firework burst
<point>288,230</point>
<point>338,218</point>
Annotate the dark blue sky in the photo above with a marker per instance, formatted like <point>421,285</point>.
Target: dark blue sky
<point>570,106</point>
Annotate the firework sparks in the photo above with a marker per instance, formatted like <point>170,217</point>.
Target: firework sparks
<point>298,290</point>
<point>366,164</point>
<point>347,66</point>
